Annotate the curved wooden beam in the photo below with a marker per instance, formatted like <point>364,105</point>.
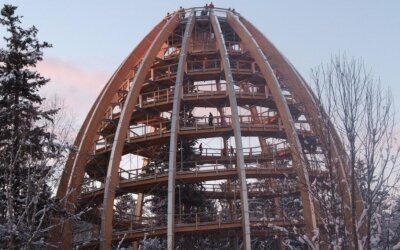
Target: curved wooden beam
<point>332,143</point>
<point>174,132</point>
<point>112,179</point>
<point>287,120</point>
<point>73,174</point>
<point>240,166</point>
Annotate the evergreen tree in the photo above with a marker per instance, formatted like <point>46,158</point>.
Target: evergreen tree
<point>124,207</point>
<point>27,148</point>
<point>189,197</point>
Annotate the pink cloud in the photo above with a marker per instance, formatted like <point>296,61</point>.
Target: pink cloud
<point>77,86</point>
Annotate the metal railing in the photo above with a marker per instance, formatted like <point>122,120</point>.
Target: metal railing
<point>205,65</point>
<point>149,223</point>
<point>159,128</point>
<point>194,168</point>
<point>164,72</point>
<point>265,217</point>
<point>157,96</point>
<point>166,95</point>
<point>257,187</point>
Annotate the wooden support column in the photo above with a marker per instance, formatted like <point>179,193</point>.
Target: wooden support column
<point>72,177</point>
<point>112,178</point>
<point>139,204</point>
<point>331,142</point>
<point>223,118</point>
<point>174,133</point>
<point>288,123</point>
<point>226,152</point>
<point>265,148</point>
<point>240,165</point>
<point>138,214</point>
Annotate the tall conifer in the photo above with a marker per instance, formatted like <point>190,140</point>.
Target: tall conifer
<point>27,148</point>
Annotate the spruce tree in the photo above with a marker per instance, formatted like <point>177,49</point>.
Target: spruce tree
<point>189,197</point>
<point>27,148</point>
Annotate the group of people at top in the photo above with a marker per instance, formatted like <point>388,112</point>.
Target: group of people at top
<point>204,12</point>
<point>206,9</point>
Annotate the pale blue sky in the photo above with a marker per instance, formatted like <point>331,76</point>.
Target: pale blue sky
<point>93,37</point>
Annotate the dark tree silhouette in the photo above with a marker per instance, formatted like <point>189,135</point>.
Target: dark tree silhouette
<point>27,149</point>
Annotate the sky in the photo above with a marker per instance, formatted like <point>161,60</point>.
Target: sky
<point>91,38</point>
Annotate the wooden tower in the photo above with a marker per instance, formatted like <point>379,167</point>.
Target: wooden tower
<point>151,162</point>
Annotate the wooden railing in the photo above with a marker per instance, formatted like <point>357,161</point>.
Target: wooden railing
<point>188,167</point>
<point>159,128</point>
<point>260,218</point>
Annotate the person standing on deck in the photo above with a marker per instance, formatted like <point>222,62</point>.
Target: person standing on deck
<point>210,119</point>
<point>201,148</point>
